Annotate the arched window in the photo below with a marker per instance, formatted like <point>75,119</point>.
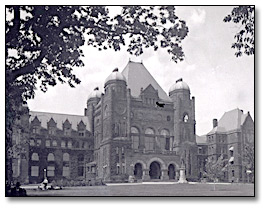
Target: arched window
<point>66,157</point>
<point>135,137</point>
<point>149,131</point>
<point>165,139</point>
<point>185,117</point>
<point>50,157</point>
<point>35,157</point>
<point>149,139</point>
<point>63,144</point>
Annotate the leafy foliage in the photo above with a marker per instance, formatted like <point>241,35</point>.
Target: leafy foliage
<point>214,169</point>
<point>249,156</point>
<point>243,16</point>
<point>43,42</point>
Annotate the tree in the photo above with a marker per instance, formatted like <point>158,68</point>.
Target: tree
<point>249,157</point>
<point>244,17</point>
<point>214,169</point>
<point>43,44</point>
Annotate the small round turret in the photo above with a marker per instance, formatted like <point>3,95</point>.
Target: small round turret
<point>95,94</point>
<point>179,85</point>
<point>115,75</point>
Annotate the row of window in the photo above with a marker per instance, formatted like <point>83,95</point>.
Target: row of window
<point>50,171</point>
<point>63,144</point>
<point>52,131</point>
<point>219,138</point>
<point>150,142</point>
<point>50,157</point>
<point>150,131</point>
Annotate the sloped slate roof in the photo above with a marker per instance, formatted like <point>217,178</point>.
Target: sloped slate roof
<point>231,120</point>
<point>201,139</point>
<point>44,117</point>
<point>138,77</point>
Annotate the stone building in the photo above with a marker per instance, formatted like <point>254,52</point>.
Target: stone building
<point>139,130</point>
<point>230,136</point>
<point>59,146</point>
<point>202,154</point>
<point>133,129</point>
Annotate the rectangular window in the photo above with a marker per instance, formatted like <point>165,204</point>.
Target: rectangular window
<point>117,168</point>
<point>34,171</point>
<point>80,171</point>
<point>65,171</point>
<point>167,144</point>
<point>50,171</point>
<point>38,142</point>
<point>93,169</point>
<point>54,143</point>
<point>149,143</point>
<point>81,134</point>
<point>48,143</point>
<point>69,144</point>
<point>32,142</point>
<point>135,141</point>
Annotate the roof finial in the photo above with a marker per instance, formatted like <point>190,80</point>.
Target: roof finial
<point>115,70</point>
<point>179,80</point>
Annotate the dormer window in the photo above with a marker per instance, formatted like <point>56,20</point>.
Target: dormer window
<point>67,128</point>
<point>51,125</point>
<point>81,129</point>
<point>35,125</point>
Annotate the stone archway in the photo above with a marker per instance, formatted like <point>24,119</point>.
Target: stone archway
<point>138,171</point>
<point>155,170</point>
<point>171,172</point>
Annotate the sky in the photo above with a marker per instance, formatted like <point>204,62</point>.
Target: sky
<point>219,81</point>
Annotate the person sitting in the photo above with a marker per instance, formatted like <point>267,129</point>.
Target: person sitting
<point>17,191</point>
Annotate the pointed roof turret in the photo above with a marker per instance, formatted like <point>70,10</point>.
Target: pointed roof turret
<point>138,77</point>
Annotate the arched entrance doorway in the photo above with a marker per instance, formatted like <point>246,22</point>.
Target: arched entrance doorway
<point>154,171</point>
<point>138,171</point>
<point>171,172</point>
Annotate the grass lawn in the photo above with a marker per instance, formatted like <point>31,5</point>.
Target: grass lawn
<point>151,190</point>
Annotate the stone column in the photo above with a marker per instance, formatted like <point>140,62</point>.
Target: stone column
<point>145,175</point>
<point>164,174</point>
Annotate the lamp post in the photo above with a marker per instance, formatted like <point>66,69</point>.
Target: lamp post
<point>45,174</point>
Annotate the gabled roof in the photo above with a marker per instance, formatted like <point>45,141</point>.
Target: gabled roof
<point>200,140</point>
<point>138,77</point>
<point>230,121</point>
<point>44,117</point>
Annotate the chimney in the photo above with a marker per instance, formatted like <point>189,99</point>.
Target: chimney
<point>215,123</point>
